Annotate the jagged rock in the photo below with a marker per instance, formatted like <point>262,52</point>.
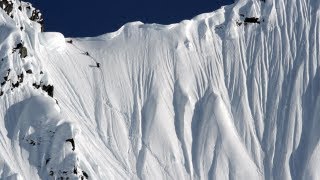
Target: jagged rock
<point>20,77</point>
<point>251,20</point>
<point>33,143</point>
<point>23,52</point>
<point>36,85</point>
<point>47,160</point>
<point>69,41</point>
<point>49,89</point>
<point>85,174</point>
<point>6,5</point>
<point>6,78</point>
<point>29,71</point>
<point>15,85</point>
<point>72,143</point>
<point>14,47</point>
<point>37,17</point>
<point>19,46</point>
<point>75,171</point>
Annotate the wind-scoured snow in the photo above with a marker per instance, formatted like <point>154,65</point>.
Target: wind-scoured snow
<point>231,94</point>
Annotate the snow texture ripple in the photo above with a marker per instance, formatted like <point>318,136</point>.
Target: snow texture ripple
<point>231,94</point>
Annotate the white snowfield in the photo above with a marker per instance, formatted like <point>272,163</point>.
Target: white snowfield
<point>233,94</point>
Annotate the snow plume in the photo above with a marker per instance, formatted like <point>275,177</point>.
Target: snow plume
<point>232,94</point>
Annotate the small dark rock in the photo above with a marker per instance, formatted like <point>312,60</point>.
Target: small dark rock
<point>20,77</point>
<point>36,85</point>
<point>85,174</point>
<point>47,160</point>
<point>33,143</point>
<point>6,78</point>
<point>239,23</point>
<point>69,41</point>
<point>19,46</point>
<point>252,20</point>
<point>72,143</point>
<point>29,71</point>
<point>23,52</point>
<point>15,85</point>
<point>49,89</point>
<point>75,171</point>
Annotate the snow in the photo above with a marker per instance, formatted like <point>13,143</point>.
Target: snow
<point>205,98</point>
<point>52,40</point>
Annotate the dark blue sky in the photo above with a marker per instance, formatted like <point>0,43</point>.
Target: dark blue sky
<point>80,18</point>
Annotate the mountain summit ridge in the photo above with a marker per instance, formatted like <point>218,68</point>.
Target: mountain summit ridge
<point>231,94</point>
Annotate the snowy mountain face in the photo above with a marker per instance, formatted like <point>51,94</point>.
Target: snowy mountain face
<point>232,94</point>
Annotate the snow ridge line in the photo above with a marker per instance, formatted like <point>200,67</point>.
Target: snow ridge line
<point>32,120</point>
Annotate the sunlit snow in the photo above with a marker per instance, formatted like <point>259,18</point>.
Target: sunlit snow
<point>231,94</point>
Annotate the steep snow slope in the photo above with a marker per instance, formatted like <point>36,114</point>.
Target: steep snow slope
<point>36,139</point>
<point>232,94</point>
